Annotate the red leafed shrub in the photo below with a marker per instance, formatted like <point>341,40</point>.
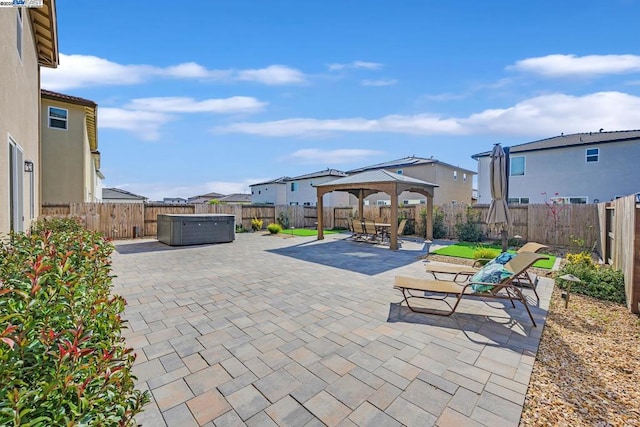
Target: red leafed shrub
<point>63,360</point>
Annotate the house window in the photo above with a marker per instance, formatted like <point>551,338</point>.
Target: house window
<point>517,166</point>
<point>464,177</point>
<point>383,202</point>
<point>518,201</point>
<point>293,203</point>
<point>593,155</point>
<point>294,186</point>
<point>307,203</point>
<point>58,118</point>
<point>259,191</point>
<point>19,32</point>
<point>400,172</point>
<point>455,175</point>
<point>578,200</point>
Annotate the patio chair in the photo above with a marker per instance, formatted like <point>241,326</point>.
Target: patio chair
<point>370,229</point>
<point>464,271</point>
<point>358,229</point>
<point>441,289</point>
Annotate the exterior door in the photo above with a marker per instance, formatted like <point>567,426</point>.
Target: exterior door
<point>16,187</point>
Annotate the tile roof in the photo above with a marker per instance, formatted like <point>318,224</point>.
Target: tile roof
<point>280,180</point>
<point>575,139</point>
<point>237,197</point>
<point>325,172</point>
<point>67,98</point>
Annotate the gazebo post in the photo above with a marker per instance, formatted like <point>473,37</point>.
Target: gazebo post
<point>320,212</point>
<point>429,230</point>
<point>393,243</point>
<point>361,204</point>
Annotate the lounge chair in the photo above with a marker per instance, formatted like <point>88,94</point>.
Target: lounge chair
<point>370,229</point>
<point>503,289</point>
<point>358,229</point>
<point>464,272</point>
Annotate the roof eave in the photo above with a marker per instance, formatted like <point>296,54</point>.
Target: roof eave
<point>45,31</point>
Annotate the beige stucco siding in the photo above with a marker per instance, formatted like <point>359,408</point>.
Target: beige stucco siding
<point>66,158</point>
<point>450,190</point>
<point>19,104</point>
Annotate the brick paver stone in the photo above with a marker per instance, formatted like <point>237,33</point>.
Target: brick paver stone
<point>208,406</point>
<point>247,401</point>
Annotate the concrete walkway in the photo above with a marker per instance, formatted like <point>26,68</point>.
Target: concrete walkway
<point>270,330</point>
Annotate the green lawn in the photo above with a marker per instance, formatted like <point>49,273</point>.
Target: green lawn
<point>466,250</point>
<point>304,232</point>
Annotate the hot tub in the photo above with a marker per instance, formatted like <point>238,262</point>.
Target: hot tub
<point>196,229</point>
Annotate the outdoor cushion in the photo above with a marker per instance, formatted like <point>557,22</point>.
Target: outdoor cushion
<point>494,273</point>
<point>503,258</point>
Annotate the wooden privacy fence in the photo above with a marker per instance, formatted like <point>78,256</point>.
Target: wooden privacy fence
<point>619,243</point>
<point>563,226</point>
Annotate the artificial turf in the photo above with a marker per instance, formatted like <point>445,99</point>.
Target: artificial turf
<point>304,232</point>
<point>466,250</point>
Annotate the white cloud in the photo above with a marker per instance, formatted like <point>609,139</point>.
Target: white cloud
<point>272,75</point>
<point>546,114</point>
<point>77,71</point>
<point>389,82</point>
<point>159,190</point>
<point>235,104</point>
<point>578,66</point>
<point>345,155</point>
<point>355,65</point>
<point>145,124</point>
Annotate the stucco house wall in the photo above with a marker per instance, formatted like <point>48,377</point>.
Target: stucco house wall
<point>565,170</point>
<point>19,117</point>
<point>306,194</point>
<point>270,193</point>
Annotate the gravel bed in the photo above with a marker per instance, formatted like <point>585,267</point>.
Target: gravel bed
<point>587,369</point>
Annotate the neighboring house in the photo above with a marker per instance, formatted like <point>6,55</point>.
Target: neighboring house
<point>69,149</point>
<point>28,41</point>
<point>455,184</point>
<point>272,192</point>
<point>117,195</point>
<point>236,199</point>
<point>204,198</point>
<point>579,168</point>
<point>301,190</point>
<point>174,201</point>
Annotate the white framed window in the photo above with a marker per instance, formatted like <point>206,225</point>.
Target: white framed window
<point>383,202</point>
<point>578,200</point>
<point>19,27</point>
<point>517,166</point>
<point>400,172</point>
<point>294,186</point>
<point>593,155</point>
<point>307,204</point>
<point>464,177</point>
<point>58,118</point>
<point>518,201</point>
<point>293,203</point>
<point>455,175</point>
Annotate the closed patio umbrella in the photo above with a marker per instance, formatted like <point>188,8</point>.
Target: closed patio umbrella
<point>498,210</point>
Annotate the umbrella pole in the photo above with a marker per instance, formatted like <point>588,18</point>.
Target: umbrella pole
<point>504,240</point>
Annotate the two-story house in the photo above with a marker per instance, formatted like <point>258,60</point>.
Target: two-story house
<point>455,184</point>
<point>28,41</point>
<point>69,151</point>
<point>273,192</point>
<point>579,168</point>
<point>300,190</point>
<point>118,195</point>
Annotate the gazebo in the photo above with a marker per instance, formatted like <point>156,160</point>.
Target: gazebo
<point>370,182</point>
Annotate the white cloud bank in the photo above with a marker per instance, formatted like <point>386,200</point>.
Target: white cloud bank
<point>555,66</point>
<point>145,124</point>
<point>547,114</point>
<point>235,104</point>
<point>345,155</point>
<point>77,71</point>
<point>389,82</point>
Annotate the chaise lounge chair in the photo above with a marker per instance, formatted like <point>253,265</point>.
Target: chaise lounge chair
<point>441,289</point>
<point>464,271</point>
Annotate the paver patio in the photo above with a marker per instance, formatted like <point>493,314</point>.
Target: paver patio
<point>291,331</point>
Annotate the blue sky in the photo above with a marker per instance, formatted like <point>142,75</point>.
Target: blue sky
<point>221,94</point>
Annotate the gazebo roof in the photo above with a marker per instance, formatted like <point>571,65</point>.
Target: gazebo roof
<point>376,176</point>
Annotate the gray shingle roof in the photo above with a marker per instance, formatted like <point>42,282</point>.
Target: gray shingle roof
<point>377,175</point>
<point>236,198</point>
<point>280,180</point>
<point>586,138</point>
<point>326,172</point>
<point>118,193</point>
<point>404,162</point>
